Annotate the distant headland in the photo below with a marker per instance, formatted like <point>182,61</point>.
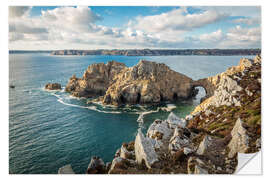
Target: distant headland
<point>149,52</point>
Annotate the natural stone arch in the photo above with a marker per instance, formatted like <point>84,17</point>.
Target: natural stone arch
<point>207,85</point>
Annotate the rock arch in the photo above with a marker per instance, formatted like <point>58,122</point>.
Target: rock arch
<point>207,85</point>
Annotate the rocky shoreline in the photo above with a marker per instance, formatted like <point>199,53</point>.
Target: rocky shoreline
<point>227,122</point>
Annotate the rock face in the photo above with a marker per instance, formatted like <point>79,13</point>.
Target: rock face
<point>96,166</point>
<point>53,86</point>
<point>95,81</point>
<point>67,169</point>
<point>240,139</point>
<point>146,83</point>
<point>144,150</point>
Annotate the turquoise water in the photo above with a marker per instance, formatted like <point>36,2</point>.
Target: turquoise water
<point>48,130</point>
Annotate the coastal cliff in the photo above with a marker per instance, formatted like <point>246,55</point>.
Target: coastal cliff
<point>145,83</point>
<point>208,140</point>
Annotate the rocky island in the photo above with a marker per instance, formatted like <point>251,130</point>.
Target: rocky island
<point>208,141</point>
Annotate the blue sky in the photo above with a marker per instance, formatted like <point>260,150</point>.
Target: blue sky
<point>71,27</point>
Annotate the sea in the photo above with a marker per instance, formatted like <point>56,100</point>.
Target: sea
<point>50,129</point>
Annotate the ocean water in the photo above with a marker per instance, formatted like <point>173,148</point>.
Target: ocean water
<point>48,130</point>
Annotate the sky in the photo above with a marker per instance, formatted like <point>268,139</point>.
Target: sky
<point>135,27</point>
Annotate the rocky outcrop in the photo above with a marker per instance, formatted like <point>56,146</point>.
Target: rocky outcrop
<point>96,166</point>
<point>240,139</point>
<point>67,169</point>
<point>145,151</point>
<point>95,81</point>
<point>146,83</point>
<point>53,86</point>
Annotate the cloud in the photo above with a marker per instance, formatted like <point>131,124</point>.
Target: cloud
<point>18,11</point>
<point>26,29</point>
<point>177,20</point>
<point>212,37</point>
<point>248,21</point>
<point>79,28</point>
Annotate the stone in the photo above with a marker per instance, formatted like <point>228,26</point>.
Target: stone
<point>240,139</point>
<point>67,169</point>
<point>174,121</point>
<point>96,166</point>
<point>159,130</point>
<point>124,153</point>
<point>121,163</point>
<point>179,140</point>
<point>204,145</point>
<point>196,166</point>
<point>144,150</point>
<point>53,86</point>
<point>200,170</point>
<point>188,151</point>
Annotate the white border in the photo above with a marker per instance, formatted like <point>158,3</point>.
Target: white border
<point>4,75</point>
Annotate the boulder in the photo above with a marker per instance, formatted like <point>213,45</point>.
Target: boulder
<point>240,139</point>
<point>159,130</point>
<point>67,169</point>
<point>120,163</point>
<point>126,153</point>
<point>174,121</point>
<point>53,86</point>
<point>205,145</point>
<point>144,150</point>
<point>196,166</point>
<point>96,166</point>
<point>180,139</point>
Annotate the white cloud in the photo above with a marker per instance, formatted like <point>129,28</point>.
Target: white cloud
<point>76,27</point>
<point>248,21</point>
<point>177,20</point>
<point>212,37</point>
<point>18,11</point>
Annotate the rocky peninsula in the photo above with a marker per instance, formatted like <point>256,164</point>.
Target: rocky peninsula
<point>226,123</point>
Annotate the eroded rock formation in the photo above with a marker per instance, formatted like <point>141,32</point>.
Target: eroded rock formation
<point>146,83</point>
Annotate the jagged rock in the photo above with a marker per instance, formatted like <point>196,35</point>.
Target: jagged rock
<point>53,86</point>
<point>117,153</point>
<point>148,82</point>
<point>188,151</point>
<point>257,59</point>
<point>96,166</point>
<point>180,139</point>
<point>126,154</point>
<point>95,81</point>
<point>67,169</point>
<point>175,121</point>
<point>240,139</point>
<point>205,145</point>
<point>258,143</point>
<point>200,170</point>
<point>144,150</point>
<point>196,166</point>
<point>120,163</point>
<point>159,130</point>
